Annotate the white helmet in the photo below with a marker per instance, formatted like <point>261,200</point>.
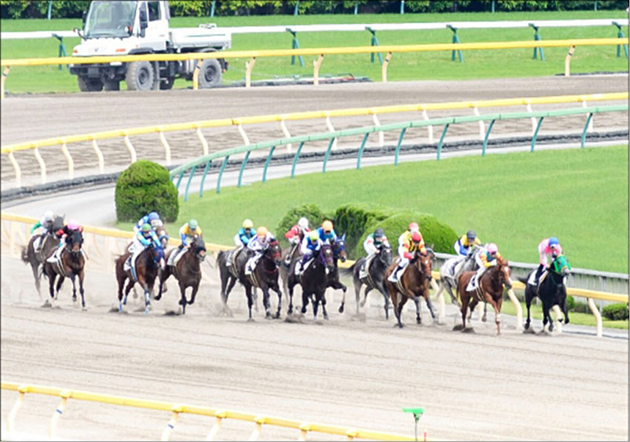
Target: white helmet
<point>49,215</point>
<point>303,223</point>
<point>156,223</point>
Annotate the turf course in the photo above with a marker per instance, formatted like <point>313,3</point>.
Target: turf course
<point>412,66</point>
<point>515,200</point>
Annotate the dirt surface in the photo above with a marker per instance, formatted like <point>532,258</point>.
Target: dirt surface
<point>355,371</point>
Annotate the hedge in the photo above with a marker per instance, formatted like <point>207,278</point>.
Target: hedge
<point>309,211</point>
<point>616,312</point>
<point>146,187</point>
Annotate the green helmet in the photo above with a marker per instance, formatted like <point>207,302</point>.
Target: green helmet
<point>146,227</point>
<point>193,224</point>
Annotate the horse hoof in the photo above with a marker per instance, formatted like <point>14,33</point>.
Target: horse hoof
<point>251,320</point>
<point>268,315</point>
<point>303,310</point>
<point>484,319</point>
<point>326,317</point>
<point>277,315</point>
<point>529,331</point>
<point>341,309</point>
<point>458,327</point>
<point>84,309</point>
<point>468,330</point>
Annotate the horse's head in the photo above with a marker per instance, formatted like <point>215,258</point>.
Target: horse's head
<point>274,252</point>
<point>326,256</point>
<point>157,253</point>
<point>561,266</point>
<point>74,242</point>
<point>425,264</point>
<point>339,248</point>
<point>504,272</point>
<point>199,248</point>
<point>385,255</point>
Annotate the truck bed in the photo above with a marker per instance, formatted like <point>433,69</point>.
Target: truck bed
<point>185,38</point>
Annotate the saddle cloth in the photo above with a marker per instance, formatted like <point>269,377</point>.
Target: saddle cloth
<point>306,266</point>
<point>532,278</point>
<point>178,255</point>
<point>452,266</point>
<point>472,284</point>
<point>252,263</point>
<point>366,265</point>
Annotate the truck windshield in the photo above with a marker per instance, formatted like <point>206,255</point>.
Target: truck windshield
<point>110,19</point>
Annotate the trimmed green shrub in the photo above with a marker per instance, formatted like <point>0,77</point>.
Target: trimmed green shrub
<point>146,187</point>
<point>577,306</point>
<point>309,211</point>
<point>354,220</point>
<point>616,312</point>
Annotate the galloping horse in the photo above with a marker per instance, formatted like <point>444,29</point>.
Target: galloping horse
<point>414,283</point>
<point>551,291</point>
<point>314,281</point>
<point>71,264</point>
<point>49,243</point>
<point>264,276</point>
<point>374,278</point>
<point>147,266</point>
<point>489,289</point>
<point>187,271</point>
<point>339,253</point>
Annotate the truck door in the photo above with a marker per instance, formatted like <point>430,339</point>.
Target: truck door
<point>156,33</point>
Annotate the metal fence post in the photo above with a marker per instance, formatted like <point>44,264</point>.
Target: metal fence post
<point>455,40</point>
<point>374,42</point>
<point>295,44</point>
<point>620,35</point>
<point>537,38</point>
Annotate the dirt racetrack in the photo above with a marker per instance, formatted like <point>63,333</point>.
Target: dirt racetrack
<point>345,371</point>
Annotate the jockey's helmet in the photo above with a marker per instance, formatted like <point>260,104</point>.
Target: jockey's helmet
<point>313,236</point>
<point>413,227</point>
<point>378,233</point>
<point>416,237</point>
<point>327,226</point>
<point>146,227</point>
<point>261,232</point>
<point>471,235</point>
<point>49,216</point>
<point>303,223</point>
<point>553,241</point>
<point>153,216</point>
<point>73,225</point>
<point>248,224</point>
<point>156,223</point>
<point>193,224</point>
<point>492,248</point>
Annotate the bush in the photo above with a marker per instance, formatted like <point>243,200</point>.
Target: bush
<point>310,211</point>
<point>146,187</point>
<point>616,312</point>
<point>356,219</point>
<point>577,306</point>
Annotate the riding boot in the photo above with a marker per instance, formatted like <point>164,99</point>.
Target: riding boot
<point>394,276</point>
<point>539,272</point>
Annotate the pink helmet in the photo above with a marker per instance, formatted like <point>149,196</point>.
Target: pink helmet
<point>413,226</point>
<point>492,248</point>
<point>73,225</point>
<point>416,237</point>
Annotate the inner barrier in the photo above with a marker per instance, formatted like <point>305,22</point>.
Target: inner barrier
<point>304,427</point>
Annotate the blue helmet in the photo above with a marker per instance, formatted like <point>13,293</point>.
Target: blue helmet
<point>553,241</point>
<point>153,216</point>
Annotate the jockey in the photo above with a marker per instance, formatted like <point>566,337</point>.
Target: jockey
<point>405,238</point>
<point>245,234</point>
<point>258,245</point>
<point>62,234</point>
<point>372,245</point>
<point>327,233</point>
<point>412,244</point>
<point>188,231</point>
<point>486,258</point>
<point>46,225</point>
<point>296,235</point>
<point>152,218</point>
<point>141,240</point>
<point>464,245</point>
<point>311,244</point>
<point>548,249</point>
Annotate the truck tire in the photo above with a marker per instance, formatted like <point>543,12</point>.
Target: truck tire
<point>111,85</point>
<point>167,84</point>
<point>210,73</point>
<point>89,85</point>
<point>139,76</point>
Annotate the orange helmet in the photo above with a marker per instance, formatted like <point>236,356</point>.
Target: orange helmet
<point>414,227</point>
<point>416,237</point>
<point>327,226</point>
<point>262,231</point>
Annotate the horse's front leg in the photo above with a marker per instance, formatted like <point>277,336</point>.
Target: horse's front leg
<point>182,300</point>
<point>497,311</point>
<point>130,285</point>
<point>323,301</point>
<point>279,292</point>
<point>81,291</point>
<point>266,303</point>
<point>147,294</point>
<point>250,301</point>
<point>305,297</point>
<point>386,297</point>
<point>74,287</point>
<point>416,300</point>
<point>195,289</point>
<point>59,282</point>
<point>430,306</point>
<point>51,286</point>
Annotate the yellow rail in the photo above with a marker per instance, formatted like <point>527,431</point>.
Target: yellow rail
<point>351,112</point>
<point>220,414</point>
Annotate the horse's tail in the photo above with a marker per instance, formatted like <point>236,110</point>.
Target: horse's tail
<point>24,255</point>
<point>523,280</point>
<point>349,271</point>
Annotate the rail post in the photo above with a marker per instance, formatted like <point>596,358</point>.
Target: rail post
<point>598,316</point>
<point>588,121</point>
<point>204,143</point>
<point>196,75</point>
<point>295,44</point>
<point>5,74</point>
<point>384,67</point>
<point>519,309</point>
<point>285,132</point>
<point>537,38</point>
<point>567,62</point>
<point>203,177</point>
<point>167,147</point>
<point>417,414</point>
<point>99,154</point>
<point>249,65</point>
<point>425,117</point>
<point>316,66</point>
<point>295,159</point>
<point>482,128</point>
<point>42,165</point>
<point>304,429</point>
<point>360,154</point>
<point>58,412</point>
<point>330,128</point>
<point>439,148</point>
<point>66,153</point>
<point>620,35</point>
<point>397,152</point>
<point>130,148</point>
<point>374,42</point>
<point>22,389</point>
<point>220,415</point>
<point>381,135</point>
<point>455,40</point>
<point>166,434</point>
<point>536,133</point>
<point>485,140</point>
<point>259,421</point>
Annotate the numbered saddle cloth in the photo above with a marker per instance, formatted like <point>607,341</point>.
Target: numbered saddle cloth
<point>472,284</point>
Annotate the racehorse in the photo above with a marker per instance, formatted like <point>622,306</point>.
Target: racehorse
<point>187,271</point>
<point>313,281</point>
<point>374,278</point>
<point>71,264</point>
<point>264,276</point>
<point>48,244</point>
<point>452,269</point>
<point>489,289</point>
<point>290,256</point>
<point>147,266</point>
<point>551,291</point>
<point>414,283</point>
<point>339,253</point>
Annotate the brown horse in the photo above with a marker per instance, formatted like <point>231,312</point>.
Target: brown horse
<point>187,271</point>
<point>71,264</point>
<point>147,266</point>
<point>414,283</point>
<point>489,289</point>
<point>49,243</point>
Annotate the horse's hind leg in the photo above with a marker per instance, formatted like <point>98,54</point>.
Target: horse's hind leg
<point>416,301</point>
<point>277,290</point>
<point>74,287</point>
<point>59,282</point>
<point>430,306</point>
<point>323,301</point>
<point>81,291</point>
<point>51,286</point>
<point>528,304</point>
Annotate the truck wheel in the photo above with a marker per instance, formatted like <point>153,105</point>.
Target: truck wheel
<point>89,85</point>
<point>139,76</point>
<point>112,85</point>
<point>167,84</point>
<point>210,73</point>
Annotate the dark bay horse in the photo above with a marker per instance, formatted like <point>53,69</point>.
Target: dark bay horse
<point>413,284</point>
<point>71,264</point>
<point>147,266</point>
<point>374,278</point>
<point>489,289</point>
<point>49,243</point>
<point>551,291</point>
<point>265,277</point>
<point>290,256</point>
<point>339,253</point>
<point>313,281</point>
<point>187,271</point>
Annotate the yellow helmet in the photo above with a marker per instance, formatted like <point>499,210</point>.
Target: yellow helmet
<point>262,231</point>
<point>248,224</point>
<point>327,225</point>
<point>314,236</point>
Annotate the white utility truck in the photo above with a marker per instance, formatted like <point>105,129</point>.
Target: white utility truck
<point>142,27</point>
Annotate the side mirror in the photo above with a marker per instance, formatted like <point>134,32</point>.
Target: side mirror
<point>79,32</point>
<point>144,21</point>
<point>84,18</point>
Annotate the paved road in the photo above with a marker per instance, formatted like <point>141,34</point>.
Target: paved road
<point>352,370</point>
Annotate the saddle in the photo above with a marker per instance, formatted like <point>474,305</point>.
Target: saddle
<point>306,266</point>
<point>287,260</point>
